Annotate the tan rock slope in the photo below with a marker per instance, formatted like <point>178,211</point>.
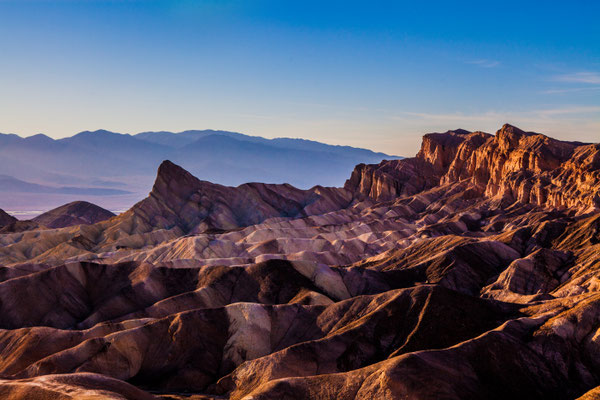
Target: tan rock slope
<point>470,271</point>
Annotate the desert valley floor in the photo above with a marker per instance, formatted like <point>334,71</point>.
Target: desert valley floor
<point>471,271</point>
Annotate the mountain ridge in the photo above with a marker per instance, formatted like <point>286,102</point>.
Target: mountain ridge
<point>88,158</point>
<point>92,155</point>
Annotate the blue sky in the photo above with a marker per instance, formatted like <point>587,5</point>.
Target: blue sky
<point>362,73</point>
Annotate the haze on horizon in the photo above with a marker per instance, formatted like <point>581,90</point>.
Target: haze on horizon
<point>353,73</point>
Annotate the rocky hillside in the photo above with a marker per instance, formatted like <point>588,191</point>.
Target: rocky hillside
<point>512,166</point>
<point>469,271</point>
<point>74,213</point>
<point>5,218</point>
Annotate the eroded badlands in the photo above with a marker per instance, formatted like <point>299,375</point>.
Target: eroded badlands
<point>469,271</point>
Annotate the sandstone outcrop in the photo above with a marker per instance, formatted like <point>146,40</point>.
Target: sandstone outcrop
<point>513,165</point>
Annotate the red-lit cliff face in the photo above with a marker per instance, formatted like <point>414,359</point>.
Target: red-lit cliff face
<point>442,158</point>
<point>514,165</point>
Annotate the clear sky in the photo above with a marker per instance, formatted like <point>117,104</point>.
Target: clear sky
<point>374,74</point>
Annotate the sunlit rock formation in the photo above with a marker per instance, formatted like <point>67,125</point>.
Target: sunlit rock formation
<point>469,271</point>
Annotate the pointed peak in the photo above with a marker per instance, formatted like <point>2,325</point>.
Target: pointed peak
<point>5,218</point>
<point>167,168</point>
<point>171,178</point>
<point>508,128</point>
<point>510,136</point>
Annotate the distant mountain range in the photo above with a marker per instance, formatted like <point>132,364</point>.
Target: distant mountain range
<point>107,159</point>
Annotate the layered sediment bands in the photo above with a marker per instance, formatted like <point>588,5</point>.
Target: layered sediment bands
<point>470,271</point>
<point>160,351</point>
